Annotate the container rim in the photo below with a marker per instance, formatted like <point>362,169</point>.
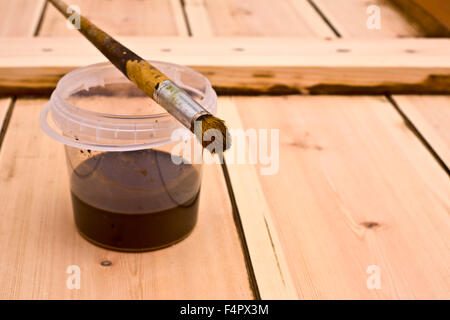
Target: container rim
<point>86,129</point>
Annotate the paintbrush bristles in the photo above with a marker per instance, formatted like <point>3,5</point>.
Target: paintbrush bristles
<point>211,122</point>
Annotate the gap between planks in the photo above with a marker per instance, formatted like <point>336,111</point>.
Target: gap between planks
<point>30,13</point>
<point>254,18</point>
<point>349,19</point>
<point>6,107</point>
<point>429,118</point>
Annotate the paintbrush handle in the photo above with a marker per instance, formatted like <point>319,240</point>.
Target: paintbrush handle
<point>145,76</point>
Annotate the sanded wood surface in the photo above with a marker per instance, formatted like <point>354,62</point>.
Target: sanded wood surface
<point>349,18</point>
<point>431,117</point>
<point>355,188</point>
<point>117,17</point>
<point>40,240</point>
<point>20,17</point>
<point>249,65</point>
<point>282,18</point>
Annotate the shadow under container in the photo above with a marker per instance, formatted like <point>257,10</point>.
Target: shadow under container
<point>129,191</point>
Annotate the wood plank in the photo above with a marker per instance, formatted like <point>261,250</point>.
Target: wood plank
<point>282,18</point>
<point>40,240</point>
<point>431,16</point>
<point>125,18</point>
<point>29,11</point>
<point>249,65</point>
<point>269,264</point>
<point>349,17</point>
<point>355,188</point>
<point>431,116</point>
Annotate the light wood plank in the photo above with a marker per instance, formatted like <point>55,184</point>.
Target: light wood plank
<point>282,18</point>
<point>355,188</point>
<point>266,253</point>
<point>125,18</point>
<point>249,65</point>
<point>349,17</point>
<point>431,116</point>
<point>20,18</point>
<point>40,240</point>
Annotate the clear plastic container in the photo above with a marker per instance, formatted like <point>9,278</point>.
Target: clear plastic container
<point>127,192</point>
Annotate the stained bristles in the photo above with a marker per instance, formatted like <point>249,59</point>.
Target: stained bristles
<point>219,135</point>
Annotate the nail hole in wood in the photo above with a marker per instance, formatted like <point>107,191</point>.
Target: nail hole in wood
<point>106,263</point>
<point>370,224</point>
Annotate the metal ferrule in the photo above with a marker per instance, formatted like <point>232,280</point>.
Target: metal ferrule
<point>178,103</point>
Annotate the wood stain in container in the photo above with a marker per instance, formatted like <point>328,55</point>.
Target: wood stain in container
<point>135,200</point>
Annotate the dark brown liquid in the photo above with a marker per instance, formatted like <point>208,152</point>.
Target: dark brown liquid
<point>135,201</point>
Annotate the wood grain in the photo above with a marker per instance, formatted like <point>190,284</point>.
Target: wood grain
<point>431,116</point>
<point>283,18</point>
<point>355,188</point>
<point>40,240</point>
<point>125,18</point>
<point>20,18</point>
<point>249,65</point>
<point>349,17</point>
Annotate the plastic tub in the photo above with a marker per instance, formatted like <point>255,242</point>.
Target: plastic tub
<point>128,193</point>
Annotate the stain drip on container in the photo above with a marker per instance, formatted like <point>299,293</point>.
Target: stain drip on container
<point>135,201</point>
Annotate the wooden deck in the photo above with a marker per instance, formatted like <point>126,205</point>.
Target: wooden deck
<point>363,179</point>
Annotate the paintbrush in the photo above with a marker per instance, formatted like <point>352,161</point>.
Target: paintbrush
<point>155,84</point>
